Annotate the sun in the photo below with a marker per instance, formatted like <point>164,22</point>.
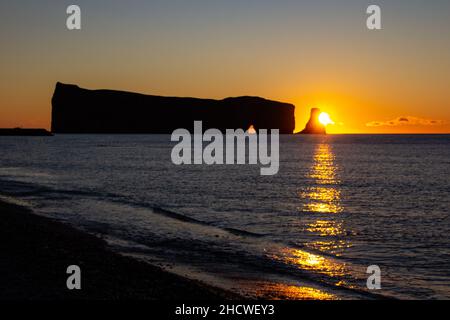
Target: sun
<point>324,118</point>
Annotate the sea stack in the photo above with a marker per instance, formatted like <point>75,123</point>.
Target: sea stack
<point>313,126</point>
<point>78,110</point>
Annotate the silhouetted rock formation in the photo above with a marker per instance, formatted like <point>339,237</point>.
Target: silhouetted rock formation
<point>77,110</point>
<point>24,132</point>
<point>313,126</point>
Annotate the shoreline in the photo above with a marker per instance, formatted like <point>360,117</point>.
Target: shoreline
<point>37,251</point>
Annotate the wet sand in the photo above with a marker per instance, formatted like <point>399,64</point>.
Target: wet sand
<point>36,251</point>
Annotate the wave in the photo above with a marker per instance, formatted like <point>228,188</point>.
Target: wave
<point>248,251</point>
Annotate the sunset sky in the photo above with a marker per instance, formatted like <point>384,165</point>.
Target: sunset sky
<point>309,53</point>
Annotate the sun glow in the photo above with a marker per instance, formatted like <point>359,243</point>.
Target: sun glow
<point>251,130</point>
<point>324,118</point>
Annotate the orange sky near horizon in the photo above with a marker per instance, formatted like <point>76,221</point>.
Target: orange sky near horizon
<point>347,114</point>
<point>315,54</point>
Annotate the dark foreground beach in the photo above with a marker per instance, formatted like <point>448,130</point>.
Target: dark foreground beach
<point>36,251</point>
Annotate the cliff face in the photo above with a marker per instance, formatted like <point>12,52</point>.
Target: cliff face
<point>313,126</point>
<point>77,110</point>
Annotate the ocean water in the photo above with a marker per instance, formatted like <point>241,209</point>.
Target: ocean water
<point>339,204</point>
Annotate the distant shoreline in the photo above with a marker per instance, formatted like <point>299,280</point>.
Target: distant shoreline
<point>25,132</point>
<point>286,134</point>
<point>37,251</point>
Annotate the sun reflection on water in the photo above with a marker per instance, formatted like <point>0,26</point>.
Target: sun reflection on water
<point>313,262</point>
<point>290,292</point>
<point>322,197</point>
<point>326,228</point>
<point>325,196</point>
<point>324,171</point>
